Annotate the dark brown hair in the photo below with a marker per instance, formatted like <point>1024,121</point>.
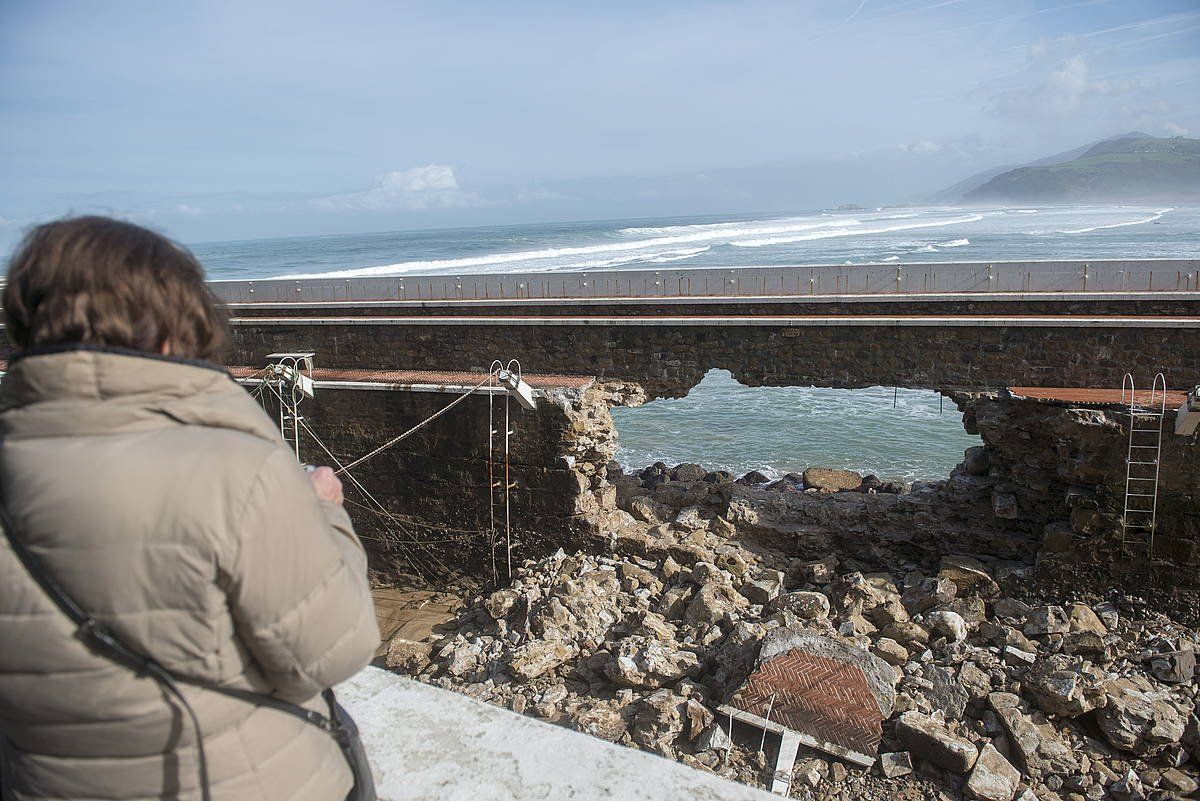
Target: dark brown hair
<point>105,282</point>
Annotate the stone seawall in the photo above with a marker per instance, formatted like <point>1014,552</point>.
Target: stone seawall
<point>668,360</point>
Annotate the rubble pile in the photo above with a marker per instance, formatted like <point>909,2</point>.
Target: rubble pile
<point>988,691</point>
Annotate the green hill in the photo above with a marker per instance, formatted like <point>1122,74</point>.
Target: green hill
<point>1128,168</point>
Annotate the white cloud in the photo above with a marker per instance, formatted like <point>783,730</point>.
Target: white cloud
<point>1063,92</point>
<point>922,147</point>
<point>1171,129</point>
<point>190,211</point>
<point>433,186</point>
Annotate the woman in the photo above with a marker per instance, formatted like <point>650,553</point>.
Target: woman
<point>160,496</point>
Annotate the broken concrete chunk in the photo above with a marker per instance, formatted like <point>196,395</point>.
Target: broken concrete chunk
<point>931,741</point>
<point>993,778</point>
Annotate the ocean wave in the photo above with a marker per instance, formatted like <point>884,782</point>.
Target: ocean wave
<point>955,243</point>
<point>926,249</point>
<point>572,253</point>
<point>837,232</point>
<point>1155,216</point>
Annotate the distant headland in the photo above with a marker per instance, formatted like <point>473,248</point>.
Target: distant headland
<point>1130,167</point>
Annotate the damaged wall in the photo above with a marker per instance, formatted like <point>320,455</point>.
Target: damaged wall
<point>436,481</point>
<point>1061,473</point>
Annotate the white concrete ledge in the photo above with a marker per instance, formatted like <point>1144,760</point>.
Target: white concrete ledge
<point>796,321</point>
<point>427,744</point>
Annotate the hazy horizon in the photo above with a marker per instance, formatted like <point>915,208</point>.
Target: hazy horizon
<point>223,123</point>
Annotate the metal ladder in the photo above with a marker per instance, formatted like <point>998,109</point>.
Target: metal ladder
<point>1141,467</point>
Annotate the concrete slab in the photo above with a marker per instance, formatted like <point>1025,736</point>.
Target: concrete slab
<point>428,744</point>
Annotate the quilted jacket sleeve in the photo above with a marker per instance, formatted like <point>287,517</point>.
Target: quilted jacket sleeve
<point>297,585</point>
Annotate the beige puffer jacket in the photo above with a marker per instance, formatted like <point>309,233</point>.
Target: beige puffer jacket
<point>162,498</point>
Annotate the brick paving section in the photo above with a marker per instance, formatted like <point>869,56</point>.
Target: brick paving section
<point>1096,397</point>
<point>823,698</point>
<point>426,377</point>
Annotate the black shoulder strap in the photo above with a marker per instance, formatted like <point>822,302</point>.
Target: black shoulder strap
<point>108,645</point>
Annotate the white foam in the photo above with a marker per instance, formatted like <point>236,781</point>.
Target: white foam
<point>649,247</point>
<point>1155,216</point>
<point>837,232</point>
<point>956,243</point>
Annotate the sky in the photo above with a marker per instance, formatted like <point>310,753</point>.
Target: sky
<point>234,120</point>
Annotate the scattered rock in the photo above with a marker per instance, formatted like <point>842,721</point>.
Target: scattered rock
<point>1080,617</point>
<point>804,605</point>
<point>648,664</point>
<point>1139,719</point>
<point>993,778</point>
<point>948,624</point>
<point>1064,685</point>
<point>1046,620</point>
<point>928,593</point>
<point>931,741</point>
<point>538,657</point>
<point>895,764</point>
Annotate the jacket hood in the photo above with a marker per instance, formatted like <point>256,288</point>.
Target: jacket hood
<point>83,390</point>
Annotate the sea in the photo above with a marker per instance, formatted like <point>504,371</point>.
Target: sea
<point>895,434</point>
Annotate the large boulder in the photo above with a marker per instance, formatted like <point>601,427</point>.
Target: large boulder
<point>1035,745</point>
<point>659,721</point>
<point>933,742</point>
<point>969,576</point>
<point>829,480</point>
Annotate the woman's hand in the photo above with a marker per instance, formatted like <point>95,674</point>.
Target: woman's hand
<point>326,484</point>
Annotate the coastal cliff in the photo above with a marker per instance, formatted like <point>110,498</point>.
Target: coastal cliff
<point>1126,169</point>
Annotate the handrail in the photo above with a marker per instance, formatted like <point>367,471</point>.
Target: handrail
<point>1134,276</point>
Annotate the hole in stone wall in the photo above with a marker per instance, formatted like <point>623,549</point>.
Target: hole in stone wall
<point>724,425</point>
